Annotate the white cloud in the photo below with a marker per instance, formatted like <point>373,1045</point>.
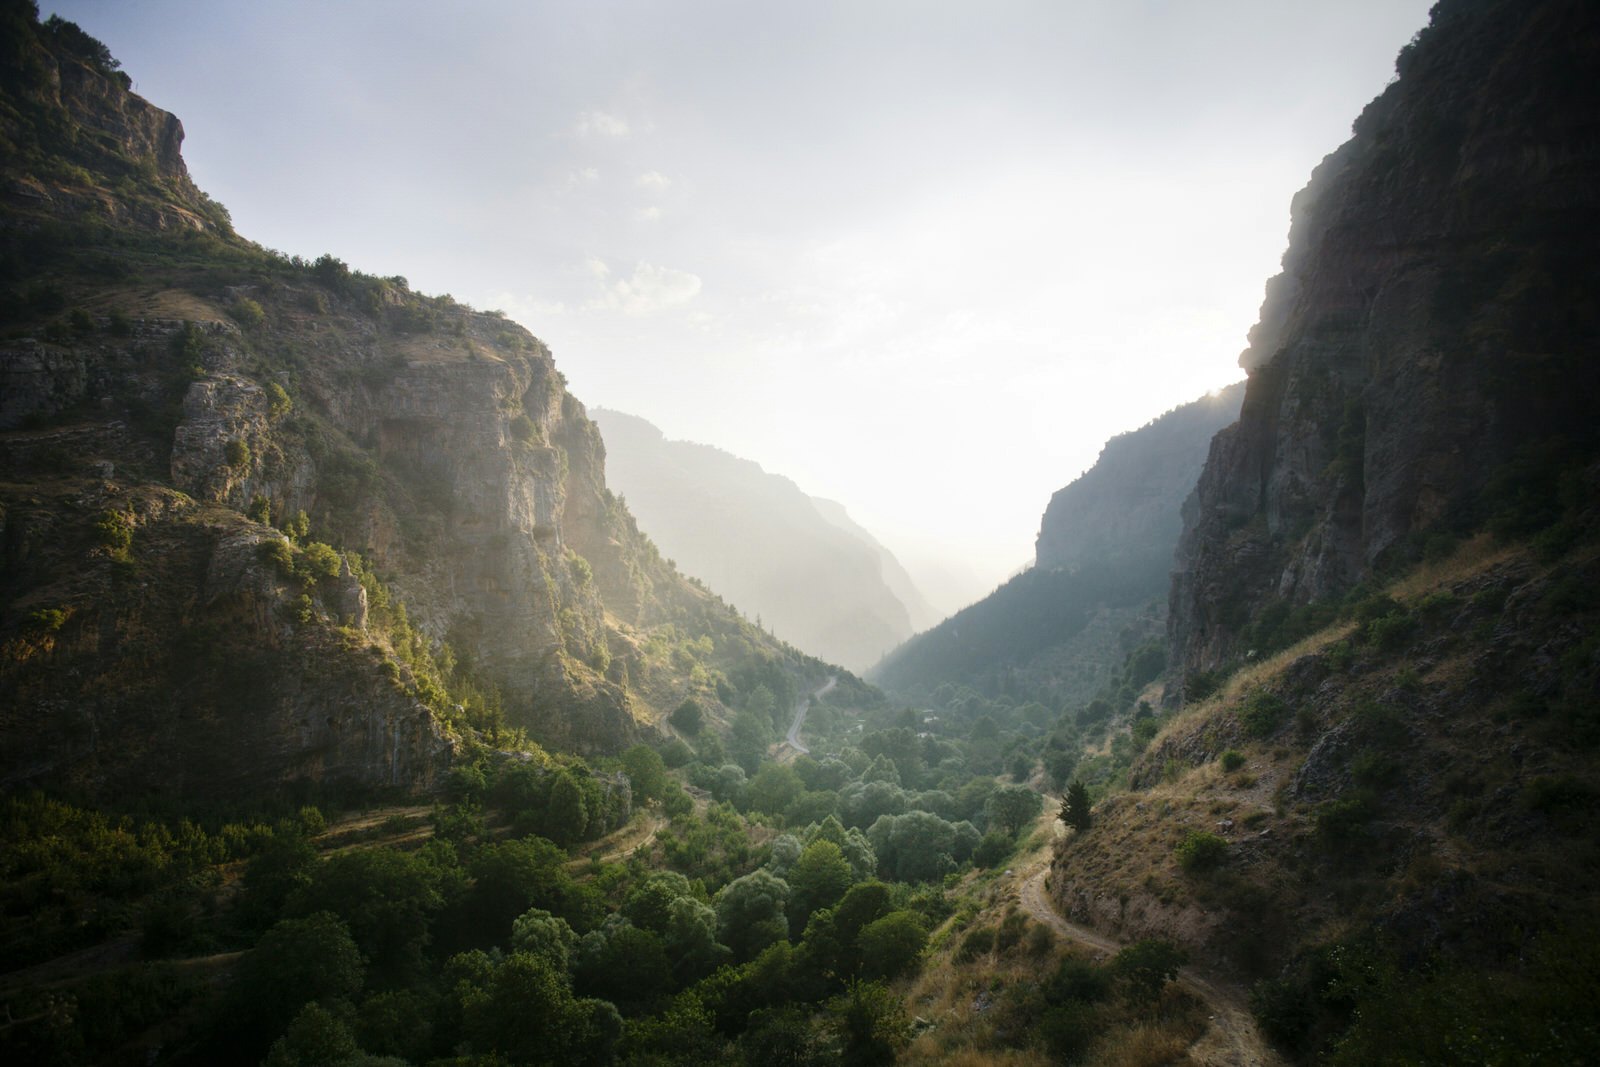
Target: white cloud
<point>601,124</point>
<point>586,176</point>
<point>648,214</point>
<point>652,179</point>
<point>647,290</point>
<point>528,310</point>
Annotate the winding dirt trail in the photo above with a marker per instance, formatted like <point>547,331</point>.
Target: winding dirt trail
<point>1232,1040</point>
<point>621,843</point>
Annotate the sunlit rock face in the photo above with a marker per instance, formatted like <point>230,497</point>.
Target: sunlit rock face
<point>1434,322</point>
<point>173,398</point>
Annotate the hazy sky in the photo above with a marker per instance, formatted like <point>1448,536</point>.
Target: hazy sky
<point>923,258</point>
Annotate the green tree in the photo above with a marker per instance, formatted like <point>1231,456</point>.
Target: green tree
<point>817,880</point>
<point>524,1011</point>
<point>728,781</point>
<point>782,1036</point>
<point>690,939</point>
<point>786,849</point>
<point>315,1038</point>
<point>773,789</point>
<point>396,1022</point>
<point>649,902</point>
<point>830,941</point>
<point>687,716</point>
<point>869,1023</point>
<point>1201,851</point>
<point>623,964</point>
<point>682,1032</point>
<point>539,933</point>
<point>274,874</point>
<point>1147,966</point>
<point>750,913</point>
<point>993,850</point>
<point>763,703</point>
<point>1011,807</point>
<point>567,813</point>
<point>1075,810</point>
<point>509,877</point>
<point>296,962</point>
<point>751,734</point>
<point>914,847</point>
<point>388,899</point>
<point>646,772</point>
<point>72,38</point>
<point>890,946</point>
<point>859,853</point>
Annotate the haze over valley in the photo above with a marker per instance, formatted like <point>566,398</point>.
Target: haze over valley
<point>924,651</point>
<point>866,247</point>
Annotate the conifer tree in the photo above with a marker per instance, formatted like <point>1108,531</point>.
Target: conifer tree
<point>1075,812</point>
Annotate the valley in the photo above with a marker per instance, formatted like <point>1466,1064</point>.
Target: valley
<point>368,700</point>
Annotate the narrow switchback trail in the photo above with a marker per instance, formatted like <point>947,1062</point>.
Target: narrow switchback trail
<point>801,707</point>
<point>639,834</point>
<point>1232,1040</point>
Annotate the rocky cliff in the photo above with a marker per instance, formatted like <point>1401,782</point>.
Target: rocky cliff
<point>266,519</point>
<point>1424,363</point>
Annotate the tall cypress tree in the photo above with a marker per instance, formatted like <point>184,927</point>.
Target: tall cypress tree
<point>1075,812</point>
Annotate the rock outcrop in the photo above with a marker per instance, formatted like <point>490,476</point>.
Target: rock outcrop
<point>1431,337</point>
<point>172,397</point>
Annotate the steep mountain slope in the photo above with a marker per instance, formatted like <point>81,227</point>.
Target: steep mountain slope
<point>900,582</point>
<point>1121,513</point>
<point>1057,632</point>
<point>1382,826</point>
<point>760,541</point>
<point>1424,361</point>
<point>224,472</point>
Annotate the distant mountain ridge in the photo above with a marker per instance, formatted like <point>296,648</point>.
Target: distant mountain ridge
<point>812,575</point>
<point>1122,511</point>
<point>1104,554</point>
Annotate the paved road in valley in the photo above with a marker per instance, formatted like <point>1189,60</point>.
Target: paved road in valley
<point>800,710</point>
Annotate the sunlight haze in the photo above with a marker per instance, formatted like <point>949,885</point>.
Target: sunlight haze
<point>922,259</point>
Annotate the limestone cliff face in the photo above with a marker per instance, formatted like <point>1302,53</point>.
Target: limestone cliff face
<point>1434,322</point>
<point>173,399</point>
<point>183,666</point>
<point>73,112</point>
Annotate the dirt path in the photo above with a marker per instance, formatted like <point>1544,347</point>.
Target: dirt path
<point>369,829</point>
<point>624,843</point>
<point>1232,1040</point>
